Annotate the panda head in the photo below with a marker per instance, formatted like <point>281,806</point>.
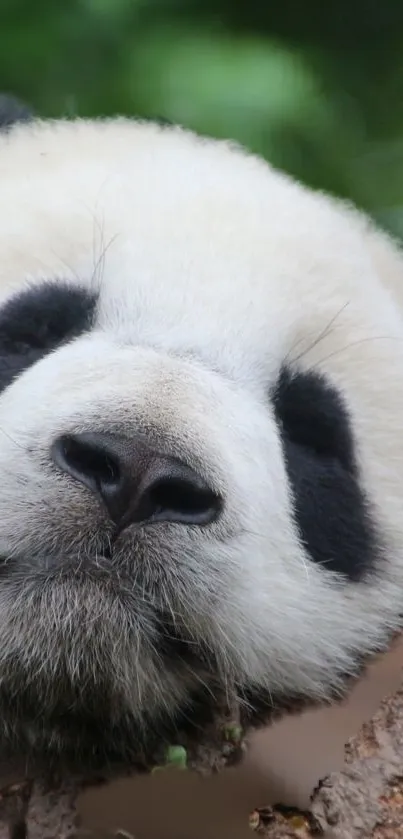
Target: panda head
<point>201,456</point>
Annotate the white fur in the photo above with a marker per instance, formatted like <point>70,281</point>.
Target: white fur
<point>212,269</point>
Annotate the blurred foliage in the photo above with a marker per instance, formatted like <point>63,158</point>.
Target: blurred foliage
<point>316,87</point>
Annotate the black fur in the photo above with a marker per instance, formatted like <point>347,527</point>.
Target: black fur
<point>37,320</point>
<point>89,736</point>
<point>12,111</point>
<point>331,510</point>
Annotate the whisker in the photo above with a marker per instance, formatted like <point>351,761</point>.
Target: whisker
<point>322,335</point>
<point>353,344</point>
<point>15,442</point>
<point>99,263</point>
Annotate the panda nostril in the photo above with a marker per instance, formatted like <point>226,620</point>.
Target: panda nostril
<point>86,461</point>
<point>183,500</point>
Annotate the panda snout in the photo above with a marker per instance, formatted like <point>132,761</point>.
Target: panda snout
<point>134,482</point>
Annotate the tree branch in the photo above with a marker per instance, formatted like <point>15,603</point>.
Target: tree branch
<point>364,800</point>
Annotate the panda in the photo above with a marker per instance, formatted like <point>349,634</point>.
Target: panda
<point>201,447</point>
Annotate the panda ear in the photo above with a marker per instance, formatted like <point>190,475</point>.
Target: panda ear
<point>13,111</point>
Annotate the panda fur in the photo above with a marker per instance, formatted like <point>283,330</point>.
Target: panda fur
<point>161,287</point>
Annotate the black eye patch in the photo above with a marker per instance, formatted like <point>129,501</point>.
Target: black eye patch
<point>36,321</point>
<point>331,510</point>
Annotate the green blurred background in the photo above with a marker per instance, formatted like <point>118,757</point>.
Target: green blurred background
<point>315,86</point>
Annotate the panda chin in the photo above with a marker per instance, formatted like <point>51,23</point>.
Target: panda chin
<point>89,691</point>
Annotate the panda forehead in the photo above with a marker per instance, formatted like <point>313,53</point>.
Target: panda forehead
<point>159,204</point>
<point>189,244</point>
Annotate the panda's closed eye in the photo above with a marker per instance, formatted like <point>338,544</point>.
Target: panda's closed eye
<point>38,320</point>
<point>333,516</point>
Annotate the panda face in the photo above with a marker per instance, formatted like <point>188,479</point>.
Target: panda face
<point>201,463</point>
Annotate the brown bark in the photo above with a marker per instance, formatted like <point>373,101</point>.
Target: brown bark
<point>363,801</point>
<point>31,810</point>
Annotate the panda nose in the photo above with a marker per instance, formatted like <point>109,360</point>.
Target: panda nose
<point>134,482</point>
